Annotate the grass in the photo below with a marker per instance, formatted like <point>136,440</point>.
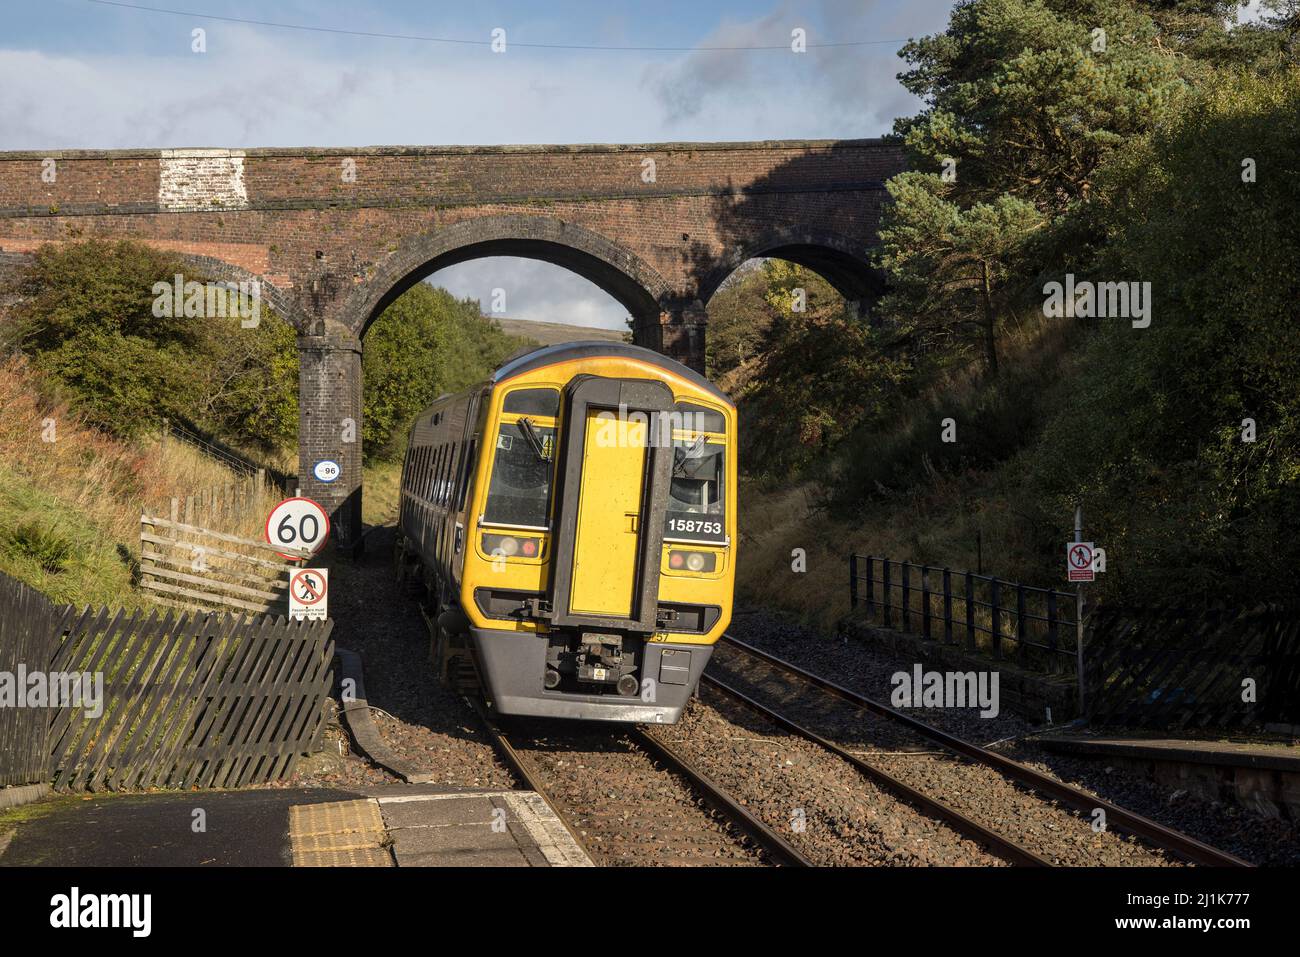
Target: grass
<point>71,496</point>
<point>383,491</point>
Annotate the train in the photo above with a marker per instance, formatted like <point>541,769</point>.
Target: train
<point>571,525</point>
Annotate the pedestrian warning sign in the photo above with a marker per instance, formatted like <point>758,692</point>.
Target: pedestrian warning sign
<point>307,590</point>
<point>1078,561</point>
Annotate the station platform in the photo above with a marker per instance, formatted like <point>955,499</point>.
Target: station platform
<point>395,826</point>
<point>1260,774</point>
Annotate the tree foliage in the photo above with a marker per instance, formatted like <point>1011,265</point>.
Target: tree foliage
<point>1020,95</point>
<point>818,372</point>
<point>952,270</point>
<point>426,343</point>
<point>1154,439</point>
<point>86,315</point>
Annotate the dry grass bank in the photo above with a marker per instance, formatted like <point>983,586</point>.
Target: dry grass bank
<point>71,496</point>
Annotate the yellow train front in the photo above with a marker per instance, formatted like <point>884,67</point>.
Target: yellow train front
<point>573,520</point>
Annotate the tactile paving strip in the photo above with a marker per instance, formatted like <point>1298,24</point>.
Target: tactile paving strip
<point>338,834</point>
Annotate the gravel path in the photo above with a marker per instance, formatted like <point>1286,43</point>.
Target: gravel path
<point>427,724</point>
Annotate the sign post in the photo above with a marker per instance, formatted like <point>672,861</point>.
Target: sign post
<point>1078,564</point>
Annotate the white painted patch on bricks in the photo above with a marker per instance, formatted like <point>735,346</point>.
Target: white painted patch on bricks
<point>196,180</point>
<point>547,831</point>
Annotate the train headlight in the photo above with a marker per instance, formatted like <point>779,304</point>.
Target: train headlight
<point>693,561</point>
<point>508,546</point>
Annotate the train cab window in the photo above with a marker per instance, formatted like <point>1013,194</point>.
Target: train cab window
<point>519,491</point>
<point>696,495</point>
<point>697,418</point>
<point>544,402</point>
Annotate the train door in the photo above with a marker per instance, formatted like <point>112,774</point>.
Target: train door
<point>606,548</point>
<point>612,489</point>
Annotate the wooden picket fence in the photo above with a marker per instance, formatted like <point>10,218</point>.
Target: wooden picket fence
<point>27,640</point>
<point>201,700</point>
<point>164,700</point>
<point>240,506</point>
<point>198,568</point>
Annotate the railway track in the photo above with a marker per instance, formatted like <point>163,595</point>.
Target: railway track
<point>627,797</point>
<point>683,817</point>
<point>890,772</point>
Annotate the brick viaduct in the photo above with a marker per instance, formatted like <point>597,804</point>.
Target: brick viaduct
<point>335,235</point>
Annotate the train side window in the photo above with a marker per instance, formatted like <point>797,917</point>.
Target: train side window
<point>447,456</point>
<point>452,470</point>
<point>436,493</point>
<point>465,473</point>
<point>447,472</point>
<point>444,474</point>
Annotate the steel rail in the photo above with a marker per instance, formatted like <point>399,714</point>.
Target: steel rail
<point>777,847</point>
<point>1127,821</point>
<point>519,767</point>
<point>997,844</point>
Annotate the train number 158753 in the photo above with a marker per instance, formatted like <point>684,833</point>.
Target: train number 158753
<point>692,526</point>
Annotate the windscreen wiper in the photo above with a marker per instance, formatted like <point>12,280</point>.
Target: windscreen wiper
<point>529,432</point>
<point>682,454</point>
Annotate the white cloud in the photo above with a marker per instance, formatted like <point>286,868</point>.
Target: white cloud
<point>534,290</point>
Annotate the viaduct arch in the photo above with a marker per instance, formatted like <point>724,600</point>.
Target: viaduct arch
<point>337,234</point>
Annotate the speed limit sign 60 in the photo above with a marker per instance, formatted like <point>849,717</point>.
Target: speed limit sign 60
<point>298,523</point>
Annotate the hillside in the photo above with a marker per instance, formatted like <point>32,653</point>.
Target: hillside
<point>71,495</point>
<point>551,333</point>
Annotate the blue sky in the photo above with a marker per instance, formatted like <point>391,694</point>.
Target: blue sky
<point>77,73</point>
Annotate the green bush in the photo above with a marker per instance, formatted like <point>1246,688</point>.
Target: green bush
<point>87,318</point>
